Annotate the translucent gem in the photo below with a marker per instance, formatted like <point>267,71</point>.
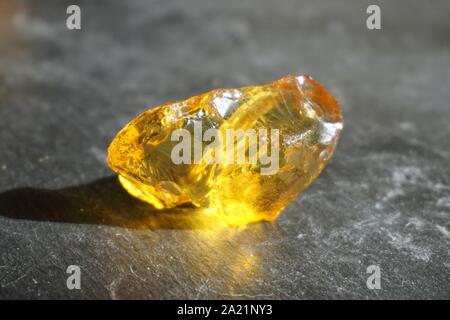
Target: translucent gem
<point>267,143</point>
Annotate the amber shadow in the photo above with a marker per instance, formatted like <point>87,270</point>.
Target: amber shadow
<point>103,202</point>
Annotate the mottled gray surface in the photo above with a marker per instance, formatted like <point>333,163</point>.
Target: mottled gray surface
<point>384,199</point>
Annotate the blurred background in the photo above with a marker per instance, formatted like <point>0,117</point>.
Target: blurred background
<point>384,200</point>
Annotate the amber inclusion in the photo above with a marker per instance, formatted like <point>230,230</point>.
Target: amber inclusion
<point>308,120</point>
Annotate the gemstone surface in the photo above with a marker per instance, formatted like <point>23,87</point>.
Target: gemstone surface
<point>240,155</point>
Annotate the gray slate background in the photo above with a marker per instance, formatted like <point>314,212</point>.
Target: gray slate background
<point>384,199</point>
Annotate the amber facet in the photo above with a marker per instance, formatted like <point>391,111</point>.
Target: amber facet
<point>304,113</point>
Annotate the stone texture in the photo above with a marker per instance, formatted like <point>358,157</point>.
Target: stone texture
<point>384,198</point>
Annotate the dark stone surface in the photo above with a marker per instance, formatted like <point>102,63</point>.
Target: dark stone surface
<point>384,200</point>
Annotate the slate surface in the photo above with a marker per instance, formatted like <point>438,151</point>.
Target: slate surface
<point>384,200</point>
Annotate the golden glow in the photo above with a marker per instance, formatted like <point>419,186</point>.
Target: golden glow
<point>306,115</point>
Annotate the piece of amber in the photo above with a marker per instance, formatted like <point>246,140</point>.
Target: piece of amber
<point>265,145</point>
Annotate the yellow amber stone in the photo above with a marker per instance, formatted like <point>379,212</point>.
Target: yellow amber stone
<point>267,143</point>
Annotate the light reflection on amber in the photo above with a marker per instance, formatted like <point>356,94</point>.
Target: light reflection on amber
<point>237,193</point>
